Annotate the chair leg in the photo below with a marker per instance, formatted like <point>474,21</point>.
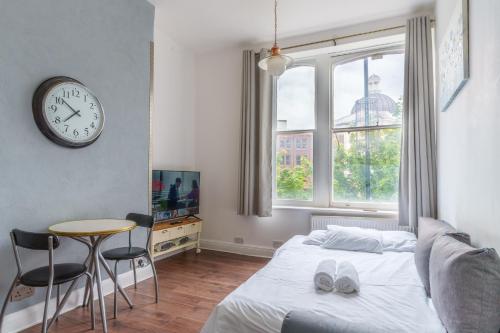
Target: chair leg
<point>115,310</point>
<point>135,274</point>
<point>46,308</point>
<point>65,299</point>
<point>6,301</point>
<point>120,289</point>
<point>58,298</point>
<point>60,305</point>
<point>157,291</point>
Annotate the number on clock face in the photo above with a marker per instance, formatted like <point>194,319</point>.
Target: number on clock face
<point>73,112</point>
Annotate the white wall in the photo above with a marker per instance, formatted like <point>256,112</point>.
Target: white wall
<point>173,131</point>
<point>217,151</point>
<point>468,132</point>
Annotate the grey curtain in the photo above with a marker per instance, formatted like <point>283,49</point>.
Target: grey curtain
<point>255,183</point>
<point>417,180</point>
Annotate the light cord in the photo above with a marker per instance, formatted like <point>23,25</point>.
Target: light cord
<point>275,21</point>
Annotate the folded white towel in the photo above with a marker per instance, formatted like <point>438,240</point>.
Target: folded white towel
<point>324,277</point>
<point>347,280</point>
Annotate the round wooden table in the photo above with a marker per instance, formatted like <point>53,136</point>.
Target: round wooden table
<point>97,231</point>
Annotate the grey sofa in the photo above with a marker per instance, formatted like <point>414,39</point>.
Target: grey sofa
<point>309,322</point>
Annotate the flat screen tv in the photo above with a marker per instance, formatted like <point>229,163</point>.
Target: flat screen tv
<point>175,194</point>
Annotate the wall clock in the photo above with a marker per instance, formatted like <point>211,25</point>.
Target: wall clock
<point>67,112</point>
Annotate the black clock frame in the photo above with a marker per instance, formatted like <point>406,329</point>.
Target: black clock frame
<point>40,120</point>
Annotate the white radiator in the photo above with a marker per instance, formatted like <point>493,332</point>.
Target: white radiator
<point>319,222</point>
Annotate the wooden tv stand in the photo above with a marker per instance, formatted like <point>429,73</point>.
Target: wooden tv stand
<point>170,232</point>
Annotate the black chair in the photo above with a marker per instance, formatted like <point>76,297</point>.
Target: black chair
<point>132,252</point>
<point>45,276</point>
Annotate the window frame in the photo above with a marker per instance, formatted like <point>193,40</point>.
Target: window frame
<point>276,132</point>
<point>323,132</point>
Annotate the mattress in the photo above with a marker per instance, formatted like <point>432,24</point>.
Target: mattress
<point>391,299</point>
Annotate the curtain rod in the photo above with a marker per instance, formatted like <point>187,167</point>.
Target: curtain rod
<point>335,39</point>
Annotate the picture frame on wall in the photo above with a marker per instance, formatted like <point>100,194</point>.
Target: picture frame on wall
<point>454,55</point>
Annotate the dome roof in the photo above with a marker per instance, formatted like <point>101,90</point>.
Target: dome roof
<point>376,102</point>
<point>382,109</point>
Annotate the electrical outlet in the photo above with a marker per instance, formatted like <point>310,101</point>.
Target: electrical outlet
<point>141,262</point>
<point>277,243</point>
<point>239,240</point>
<point>21,292</point>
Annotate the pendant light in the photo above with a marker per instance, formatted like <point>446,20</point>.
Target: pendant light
<point>276,63</point>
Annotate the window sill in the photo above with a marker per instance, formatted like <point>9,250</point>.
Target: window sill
<point>340,211</point>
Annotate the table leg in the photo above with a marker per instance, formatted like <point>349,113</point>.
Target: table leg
<point>102,306</point>
<point>89,262</point>
<point>86,294</point>
<point>112,276</point>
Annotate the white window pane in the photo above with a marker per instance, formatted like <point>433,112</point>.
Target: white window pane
<point>348,87</point>
<point>296,99</point>
<point>368,91</point>
<point>294,166</point>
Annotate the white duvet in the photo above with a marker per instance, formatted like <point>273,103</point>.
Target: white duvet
<point>391,299</point>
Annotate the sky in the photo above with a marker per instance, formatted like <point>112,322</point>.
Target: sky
<point>296,97</point>
<point>296,88</point>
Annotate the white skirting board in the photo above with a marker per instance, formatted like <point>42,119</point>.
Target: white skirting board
<point>245,249</point>
<point>32,315</point>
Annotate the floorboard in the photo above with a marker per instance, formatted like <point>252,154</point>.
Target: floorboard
<point>190,286</point>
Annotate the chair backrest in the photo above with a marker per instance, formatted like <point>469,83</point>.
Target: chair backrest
<point>34,241</point>
<point>142,220</point>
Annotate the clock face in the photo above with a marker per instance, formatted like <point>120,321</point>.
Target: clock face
<point>72,113</point>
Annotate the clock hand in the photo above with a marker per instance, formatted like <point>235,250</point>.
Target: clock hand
<point>74,114</point>
<point>74,111</point>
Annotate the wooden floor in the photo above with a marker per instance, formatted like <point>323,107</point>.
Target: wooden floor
<point>190,286</point>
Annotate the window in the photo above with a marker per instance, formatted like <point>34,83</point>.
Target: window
<point>301,142</point>
<point>366,132</point>
<point>295,122</point>
<point>353,117</point>
<point>282,143</point>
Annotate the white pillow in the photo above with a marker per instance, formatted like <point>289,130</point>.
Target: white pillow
<point>399,241</point>
<point>317,237</point>
<point>354,239</point>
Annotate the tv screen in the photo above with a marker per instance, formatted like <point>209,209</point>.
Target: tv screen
<point>175,194</point>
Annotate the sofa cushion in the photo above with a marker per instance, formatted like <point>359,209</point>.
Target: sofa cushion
<point>428,230</point>
<point>465,284</point>
<point>310,322</point>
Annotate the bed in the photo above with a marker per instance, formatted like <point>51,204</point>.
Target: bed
<point>392,297</point>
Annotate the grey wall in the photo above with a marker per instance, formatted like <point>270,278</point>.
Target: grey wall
<point>468,132</point>
<point>105,45</point>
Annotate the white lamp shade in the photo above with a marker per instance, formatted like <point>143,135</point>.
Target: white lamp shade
<point>275,65</point>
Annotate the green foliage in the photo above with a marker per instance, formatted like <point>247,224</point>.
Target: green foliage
<point>349,180</point>
<point>294,182</point>
<point>399,107</point>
